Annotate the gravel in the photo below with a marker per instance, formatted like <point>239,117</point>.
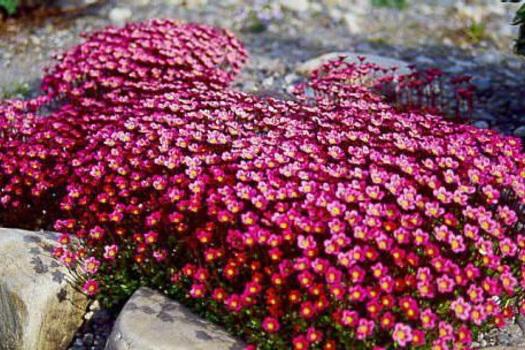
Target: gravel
<point>95,331</point>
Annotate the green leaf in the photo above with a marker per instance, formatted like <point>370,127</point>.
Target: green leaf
<point>9,5</point>
<point>520,16</point>
<point>395,4</point>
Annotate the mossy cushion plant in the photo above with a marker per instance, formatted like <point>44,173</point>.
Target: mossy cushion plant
<point>330,221</point>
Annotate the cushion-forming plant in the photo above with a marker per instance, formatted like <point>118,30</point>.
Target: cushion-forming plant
<point>332,220</point>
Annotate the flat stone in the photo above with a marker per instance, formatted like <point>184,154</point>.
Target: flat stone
<point>520,132</point>
<point>352,22</point>
<point>39,308</point>
<point>481,124</point>
<point>308,67</point>
<point>151,321</point>
<point>120,15</point>
<point>295,5</point>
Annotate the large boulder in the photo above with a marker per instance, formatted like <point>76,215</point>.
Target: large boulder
<point>150,321</point>
<point>39,308</point>
<point>309,66</point>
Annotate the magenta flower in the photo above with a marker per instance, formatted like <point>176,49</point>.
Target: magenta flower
<point>91,265</point>
<point>402,334</point>
<point>91,287</point>
<point>111,251</point>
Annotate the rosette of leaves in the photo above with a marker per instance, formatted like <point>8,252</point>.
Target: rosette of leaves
<point>9,6</point>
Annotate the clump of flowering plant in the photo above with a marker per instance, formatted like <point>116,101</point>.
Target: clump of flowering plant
<point>332,221</point>
<point>421,91</point>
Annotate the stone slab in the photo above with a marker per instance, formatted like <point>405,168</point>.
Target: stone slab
<point>151,321</point>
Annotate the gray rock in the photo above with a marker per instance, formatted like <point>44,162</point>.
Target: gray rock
<point>424,60</point>
<point>295,5</point>
<point>481,124</point>
<point>150,321</point>
<point>490,57</point>
<point>455,69</point>
<point>503,339</point>
<point>482,83</point>
<point>290,78</point>
<point>120,15</point>
<point>268,82</point>
<point>309,66</point>
<point>39,308</point>
<point>520,132</point>
<point>88,339</point>
<point>352,23</point>
<point>194,3</point>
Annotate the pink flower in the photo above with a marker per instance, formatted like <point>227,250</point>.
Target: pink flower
<point>475,294</point>
<point>428,319</point>
<point>478,314</point>
<point>91,287</point>
<point>300,343</point>
<point>96,233</point>
<point>456,243</point>
<point>507,247</point>
<point>64,239</point>
<point>446,331</point>
<point>91,265</point>
<point>445,284</point>
<point>110,252</point>
<point>365,328</point>
<point>160,255</point>
<point>151,237</point>
<point>68,258</point>
<point>509,282</point>
<point>349,318</point>
<point>233,303</point>
<point>402,334</point>
<point>461,309</point>
<point>197,291</point>
<point>313,335</point>
<point>270,324</point>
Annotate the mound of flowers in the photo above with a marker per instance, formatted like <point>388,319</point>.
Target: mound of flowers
<point>326,222</point>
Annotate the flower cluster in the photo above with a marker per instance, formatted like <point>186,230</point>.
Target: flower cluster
<point>328,222</point>
<point>420,91</point>
<point>131,63</point>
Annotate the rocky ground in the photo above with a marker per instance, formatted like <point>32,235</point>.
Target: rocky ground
<point>96,329</point>
<point>460,37</point>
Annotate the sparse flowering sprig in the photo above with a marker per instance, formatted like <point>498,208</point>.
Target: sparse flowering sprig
<point>329,222</point>
<point>421,91</point>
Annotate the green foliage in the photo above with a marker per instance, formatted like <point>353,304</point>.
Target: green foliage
<point>9,5</point>
<point>396,4</point>
<point>17,90</point>
<point>476,32</point>
<point>520,20</point>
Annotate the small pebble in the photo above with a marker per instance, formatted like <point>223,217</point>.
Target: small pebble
<point>520,132</point>
<point>481,124</point>
<point>120,15</point>
<point>88,339</point>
